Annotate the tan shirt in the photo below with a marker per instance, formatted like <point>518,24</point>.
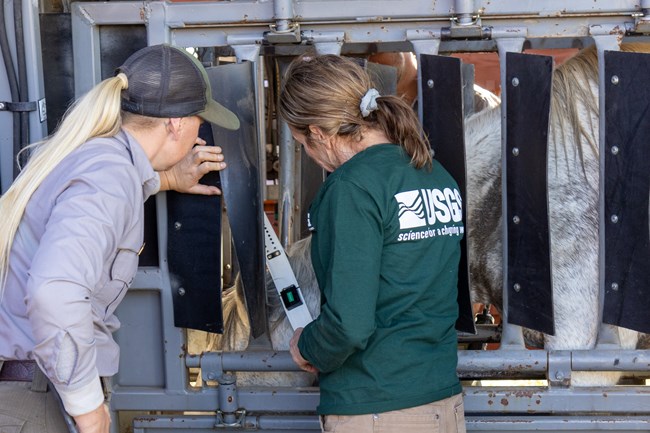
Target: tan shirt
<point>72,260</point>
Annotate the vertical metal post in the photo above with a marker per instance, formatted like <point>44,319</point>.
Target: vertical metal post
<point>464,10</point>
<point>6,117</point>
<point>283,11</point>
<point>158,31</point>
<point>85,48</point>
<point>287,174</point>
<point>33,57</point>
<point>508,40</point>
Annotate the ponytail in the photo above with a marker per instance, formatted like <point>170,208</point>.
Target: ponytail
<point>96,114</point>
<point>400,124</point>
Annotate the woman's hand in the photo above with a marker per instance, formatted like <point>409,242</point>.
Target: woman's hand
<point>297,357</point>
<point>185,175</point>
<point>96,421</point>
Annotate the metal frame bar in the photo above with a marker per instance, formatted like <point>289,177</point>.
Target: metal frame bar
<point>306,424</point>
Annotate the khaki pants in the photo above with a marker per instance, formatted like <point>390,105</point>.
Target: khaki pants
<point>444,416</point>
<point>25,411</point>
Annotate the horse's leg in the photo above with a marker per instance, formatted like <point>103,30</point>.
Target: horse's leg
<point>573,218</point>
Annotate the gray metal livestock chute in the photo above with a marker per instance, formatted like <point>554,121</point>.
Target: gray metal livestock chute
<point>248,44</point>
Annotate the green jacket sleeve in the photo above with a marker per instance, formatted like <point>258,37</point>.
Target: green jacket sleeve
<point>347,253</point>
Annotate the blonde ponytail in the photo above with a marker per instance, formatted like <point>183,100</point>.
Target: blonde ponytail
<point>96,114</point>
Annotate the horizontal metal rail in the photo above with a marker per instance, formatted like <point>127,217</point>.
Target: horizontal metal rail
<point>498,362</point>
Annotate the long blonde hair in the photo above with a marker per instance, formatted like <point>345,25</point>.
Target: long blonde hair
<point>326,91</point>
<point>96,114</point>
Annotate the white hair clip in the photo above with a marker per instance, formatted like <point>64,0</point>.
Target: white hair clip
<point>369,102</point>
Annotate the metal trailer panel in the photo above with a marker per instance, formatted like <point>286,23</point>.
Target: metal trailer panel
<point>186,424</point>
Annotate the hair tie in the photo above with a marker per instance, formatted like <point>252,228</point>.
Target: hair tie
<point>369,102</point>
<point>123,79</point>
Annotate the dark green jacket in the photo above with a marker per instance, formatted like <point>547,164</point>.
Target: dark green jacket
<point>385,250</point>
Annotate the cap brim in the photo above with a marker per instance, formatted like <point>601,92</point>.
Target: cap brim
<point>219,115</point>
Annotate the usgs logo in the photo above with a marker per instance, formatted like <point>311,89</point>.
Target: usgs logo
<point>422,207</point>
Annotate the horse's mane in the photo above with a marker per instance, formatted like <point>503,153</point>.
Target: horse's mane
<point>574,102</point>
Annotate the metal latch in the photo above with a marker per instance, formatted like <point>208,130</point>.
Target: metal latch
<point>18,106</point>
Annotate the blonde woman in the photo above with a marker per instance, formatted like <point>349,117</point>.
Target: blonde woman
<point>73,228</point>
<point>386,228</point>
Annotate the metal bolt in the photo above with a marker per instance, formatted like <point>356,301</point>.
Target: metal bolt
<point>2,105</point>
<point>615,79</point>
<point>515,82</point>
<point>614,150</point>
<point>517,287</point>
<point>516,219</point>
<point>430,84</point>
<point>515,151</point>
<point>177,226</point>
<point>614,219</point>
<point>559,375</point>
<point>181,291</point>
<point>211,376</point>
<point>615,287</point>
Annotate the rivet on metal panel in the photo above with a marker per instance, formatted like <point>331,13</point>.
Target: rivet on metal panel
<point>181,291</point>
<point>515,82</point>
<point>614,150</point>
<point>516,219</point>
<point>515,151</point>
<point>614,219</point>
<point>615,79</point>
<point>615,287</point>
<point>430,84</point>
<point>517,287</point>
